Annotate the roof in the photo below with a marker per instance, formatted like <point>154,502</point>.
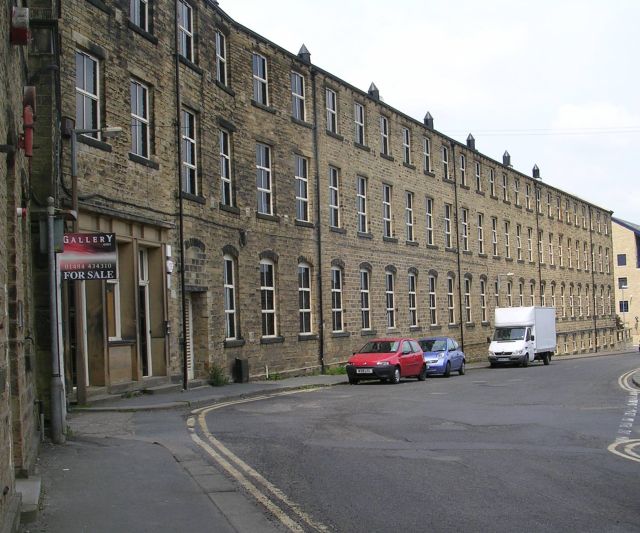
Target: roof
<point>629,225</point>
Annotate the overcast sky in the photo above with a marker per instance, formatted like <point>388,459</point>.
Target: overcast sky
<point>555,83</point>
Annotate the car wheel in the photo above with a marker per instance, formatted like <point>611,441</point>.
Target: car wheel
<point>395,379</point>
<point>462,368</point>
<point>423,373</point>
<point>447,369</point>
<point>353,381</point>
<point>546,359</point>
<point>492,364</point>
<point>525,360</point>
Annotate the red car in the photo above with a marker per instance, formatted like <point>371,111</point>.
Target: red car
<point>387,360</point>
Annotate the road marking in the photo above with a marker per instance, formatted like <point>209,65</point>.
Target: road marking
<point>624,446</point>
<point>241,471</point>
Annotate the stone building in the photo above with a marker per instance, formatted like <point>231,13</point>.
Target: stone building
<point>267,210</point>
<point>626,269</point>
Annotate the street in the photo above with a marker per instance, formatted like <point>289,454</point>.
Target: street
<point>495,450</point>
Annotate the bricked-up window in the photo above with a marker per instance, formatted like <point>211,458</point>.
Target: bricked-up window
<point>406,146</point>
<point>445,162</point>
<point>87,93</point>
<point>337,311</point>
<point>304,297</point>
<point>465,228</point>
<point>112,304</point>
<point>530,244</point>
<point>430,221</point>
<point>139,14</point>
<point>467,300</point>
<point>483,300</point>
<point>226,189</point>
<point>230,298</point>
<point>463,170</point>
<point>507,239</point>
<point>447,226</point>
<point>263,179</point>
<point>433,304</point>
<point>268,298</point>
<point>532,294</point>
<point>185,30</point>
<point>361,201</point>
<point>519,242</point>
<point>494,235</point>
<point>426,154</point>
<point>450,300</point>
<point>384,135</point>
<point>480,233</point>
<point>221,58</point>
<point>505,188</point>
<point>516,191</point>
<point>492,182</point>
<point>390,300</point>
<point>478,177</point>
<point>260,80</point>
<point>413,300</point>
<point>365,306</point>
<point>332,110</point>
<point>189,153</point>
<point>387,222</point>
<point>334,197</point>
<point>408,211</point>
<point>139,119</point>
<point>302,189</point>
<point>358,117</point>
<point>298,96</point>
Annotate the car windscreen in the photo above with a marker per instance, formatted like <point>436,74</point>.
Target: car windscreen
<point>433,345</point>
<point>380,347</point>
<point>509,334</point>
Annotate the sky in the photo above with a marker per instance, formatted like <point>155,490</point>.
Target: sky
<point>555,83</point>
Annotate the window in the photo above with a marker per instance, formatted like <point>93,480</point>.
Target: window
<point>390,299</point>
<point>406,146</point>
<point>467,300</point>
<point>358,112</point>
<point>580,301</point>
<point>530,244</point>
<point>600,265</point>
<point>483,299</point>
<point>507,240</point>
<point>584,217</point>
<point>430,221</point>
<point>478,178</point>
<point>465,229</point>
<point>336,299</point>
<point>569,253</point>
<point>386,211</point>
<point>260,80</point>
<point>226,190</point>
<point>607,266</point>
<point>562,302</point>
<point>519,242</point>
<point>450,300</point>
<point>447,226</point>
<point>538,206</point>
<point>549,209</point>
<point>480,233</point>
<point>527,196</point>
<point>87,94</point>
<point>623,283</point>
<point>334,197</point>
<point>433,310</point>
<point>559,208</point>
<point>139,14</point>
<point>221,58</point>
<point>494,235</point>
<point>413,311</point>
<point>302,189</point>
<point>606,227</point>
<point>551,258</point>
<point>572,312</point>
<point>426,154</point>
<point>463,170</point>
<point>384,135</point>
<point>263,179</point>
<point>532,294</point>
<point>189,153</point>
<point>575,214</point>
<point>185,30</point>
<point>445,162</point>
<point>585,256</point>
<point>230,298</point>
<point>521,294</point>
<point>492,182</point>
<point>409,216</point>
<point>365,311</point>
<point>298,96</point>
<point>577,254</point>
<point>543,296</point>
<point>587,301</point>
<point>496,292</point>
<point>624,306</point>
<point>304,297</point>
<point>509,294</point>
<point>112,304</point>
<point>567,216</point>
<point>332,110</point>
<point>505,188</point>
<point>268,298</point>
<point>139,119</point>
<point>560,254</point>
<point>516,191</point>
<point>363,224</point>
<point>622,260</point>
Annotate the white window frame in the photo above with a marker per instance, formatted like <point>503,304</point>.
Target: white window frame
<point>230,307</point>
<point>221,58</point>
<point>298,98</point>
<point>516,191</point>
<point>532,294</point>
<point>226,184</point>
<point>451,300</point>
<point>384,135</point>
<point>359,120</point>
<point>413,299</point>
<point>409,216</point>
<point>334,197</point>
<point>494,236</point>
<point>509,294</point>
<point>521,293</point>
<point>530,244</point>
<point>264,182</point>
<point>406,145</point>
<point>390,299</point>
<point>463,170</point>
<point>433,300</point>
<point>337,307</point>
<point>505,187</point>
<point>519,242</point>
<point>302,188</point>
<point>560,252</point>
<point>331,105</point>
<point>185,30</point>
<point>465,229</point>
<point>467,300</point>
<point>426,154</point>
<point>483,300</point>
<point>448,210</point>
<point>492,182</point>
<point>365,300</point>
<point>189,153</point>
<point>86,95</point>
<point>361,204</point>
<point>387,219</point>
<point>478,177</point>
<point>429,219</point>
<point>445,162</point>
<point>140,139</point>
<point>139,14</point>
<point>480,233</point>
<point>305,306</point>
<point>527,196</point>
<point>260,73</point>
<point>267,311</point>
<point>507,239</point>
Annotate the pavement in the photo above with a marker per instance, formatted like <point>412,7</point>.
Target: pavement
<point>129,464</point>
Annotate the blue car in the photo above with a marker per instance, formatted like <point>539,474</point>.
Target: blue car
<point>442,355</point>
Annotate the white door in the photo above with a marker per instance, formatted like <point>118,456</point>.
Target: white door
<point>188,346</point>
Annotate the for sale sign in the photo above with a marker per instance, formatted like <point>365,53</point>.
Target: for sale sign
<point>88,256</point>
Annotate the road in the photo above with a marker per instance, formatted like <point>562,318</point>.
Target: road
<point>508,449</point>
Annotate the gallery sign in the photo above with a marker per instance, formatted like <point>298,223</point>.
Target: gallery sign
<point>88,256</point>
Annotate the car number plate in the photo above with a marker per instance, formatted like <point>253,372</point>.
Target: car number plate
<point>364,370</point>
<point>503,358</point>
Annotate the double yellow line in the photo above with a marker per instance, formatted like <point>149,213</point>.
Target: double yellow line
<point>271,497</point>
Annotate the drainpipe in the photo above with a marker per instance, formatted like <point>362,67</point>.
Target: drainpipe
<point>185,377</point>
<point>593,284</point>
<point>318,221</point>
<point>538,191</point>
<point>458,252</point>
